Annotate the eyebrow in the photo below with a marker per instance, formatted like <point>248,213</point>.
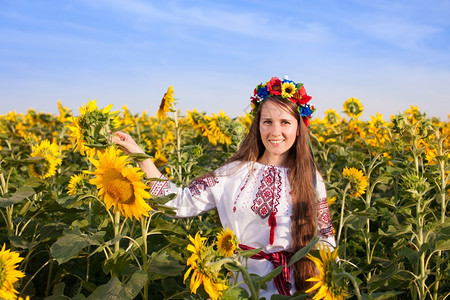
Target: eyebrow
<point>282,120</point>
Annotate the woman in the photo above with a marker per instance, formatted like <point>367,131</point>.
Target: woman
<point>269,193</point>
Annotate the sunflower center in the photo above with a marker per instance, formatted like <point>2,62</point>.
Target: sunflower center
<point>42,168</point>
<point>354,108</point>
<point>227,243</point>
<point>332,118</point>
<point>118,187</point>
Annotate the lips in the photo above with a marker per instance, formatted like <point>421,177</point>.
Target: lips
<point>276,142</point>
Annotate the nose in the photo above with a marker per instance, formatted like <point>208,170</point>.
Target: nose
<point>276,129</point>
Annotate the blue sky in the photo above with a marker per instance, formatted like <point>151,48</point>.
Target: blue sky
<point>388,54</point>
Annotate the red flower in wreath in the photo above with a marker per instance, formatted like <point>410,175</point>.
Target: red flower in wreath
<point>306,121</point>
<point>274,86</point>
<point>301,96</point>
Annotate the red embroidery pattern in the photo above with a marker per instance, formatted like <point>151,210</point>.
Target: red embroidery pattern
<point>240,191</point>
<point>268,194</point>
<point>324,217</point>
<point>198,186</point>
<point>160,188</point>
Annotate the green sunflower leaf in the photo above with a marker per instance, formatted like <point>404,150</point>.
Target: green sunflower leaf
<point>21,194</point>
<point>116,290</point>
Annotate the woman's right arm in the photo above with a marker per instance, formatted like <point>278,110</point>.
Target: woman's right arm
<point>129,145</point>
<point>189,201</point>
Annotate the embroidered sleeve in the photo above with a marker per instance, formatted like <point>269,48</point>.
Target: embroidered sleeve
<point>190,201</point>
<point>323,213</point>
<point>199,186</point>
<point>324,218</point>
<point>163,188</point>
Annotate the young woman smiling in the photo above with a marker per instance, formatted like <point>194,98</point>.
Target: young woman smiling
<point>269,192</point>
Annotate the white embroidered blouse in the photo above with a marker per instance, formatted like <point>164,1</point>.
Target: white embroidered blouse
<point>245,199</point>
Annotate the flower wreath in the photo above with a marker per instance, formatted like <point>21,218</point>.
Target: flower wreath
<point>287,89</point>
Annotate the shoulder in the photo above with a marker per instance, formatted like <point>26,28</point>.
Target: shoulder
<point>320,184</point>
<point>319,177</point>
<point>232,169</point>
<point>229,168</point>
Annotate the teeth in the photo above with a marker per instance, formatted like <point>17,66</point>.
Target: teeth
<point>275,142</point>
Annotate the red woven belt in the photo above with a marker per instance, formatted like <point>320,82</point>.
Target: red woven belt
<point>283,280</point>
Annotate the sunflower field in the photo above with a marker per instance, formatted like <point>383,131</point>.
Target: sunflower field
<point>77,220</point>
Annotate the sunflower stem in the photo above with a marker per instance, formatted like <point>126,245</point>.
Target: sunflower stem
<point>353,280</point>
<point>144,252</point>
<point>116,229</point>
<point>341,222</point>
<point>49,277</point>
<point>443,209</point>
<point>248,280</point>
<point>89,247</point>
<point>34,275</point>
<point>178,136</point>
<point>9,222</point>
<point>8,209</point>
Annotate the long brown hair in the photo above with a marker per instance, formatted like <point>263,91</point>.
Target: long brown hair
<point>302,172</point>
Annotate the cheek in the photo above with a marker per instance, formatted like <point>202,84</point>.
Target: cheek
<point>293,133</point>
<point>262,130</point>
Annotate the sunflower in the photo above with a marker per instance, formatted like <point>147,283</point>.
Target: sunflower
<point>288,89</point>
<point>330,288</point>
<point>331,201</point>
<point>198,262</point>
<point>93,126</point>
<point>331,118</point>
<point>166,104</point>
<point>9,273</point>
<point>377,122</point>
<point>215,133</point>
<point>355,129</point>
<point>246,120</point>
<point>127,120</point>
<point>77,183</point>
<point>119,184</point>
<point>226,242</point>
<point>64,112</point>
<point>358,182</point>
<point>413,114</point>
<point>353,108</point>
<point>51,159</point>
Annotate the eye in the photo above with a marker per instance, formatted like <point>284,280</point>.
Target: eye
<point>267,122</point>
<point>286,122</point>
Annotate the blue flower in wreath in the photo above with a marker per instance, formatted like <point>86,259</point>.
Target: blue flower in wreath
<point>287,80</point>
<point>305,110</point>
<point>263,93</point>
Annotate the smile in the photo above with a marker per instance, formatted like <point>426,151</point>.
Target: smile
<point>276,141</point>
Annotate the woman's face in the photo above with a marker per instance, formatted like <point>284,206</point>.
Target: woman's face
<point>279,130</point>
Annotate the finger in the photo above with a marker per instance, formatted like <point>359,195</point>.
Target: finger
<point>121,136</point>
<point>118,139</point>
